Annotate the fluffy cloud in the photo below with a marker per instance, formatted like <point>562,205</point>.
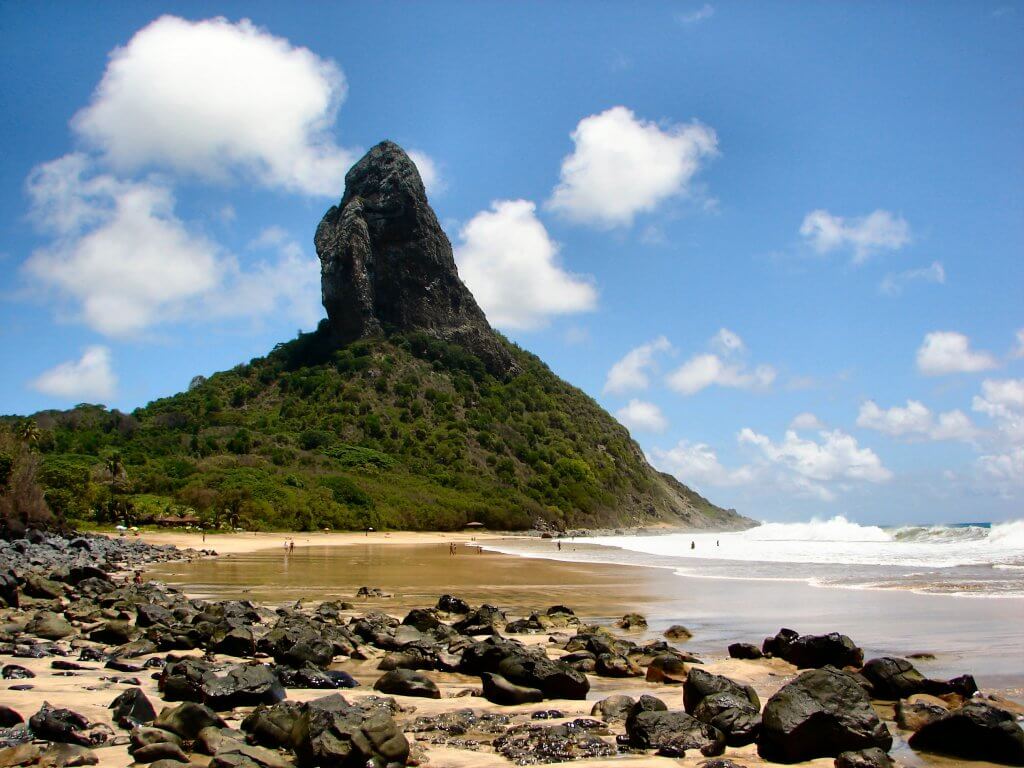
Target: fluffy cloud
<point>1004,468</point>
<point>639,415</point>
<point>864,236</point>
<point>806,421</point>
<point>127,263</point>
<point>837,457</point>
<point>429,172</point>
<point>944,352</point>
<point>119,251</point>
<point>88,378</point>
<point>214,99</point>
<point>697,464</point>
<point>623,165</point>
<point>510,263</point>
<point>894,283</point>
<point>703,13</point>
<point>632,371</point>
<point>916,420</point>
<point>723,370</point>
<point>1002,400</point>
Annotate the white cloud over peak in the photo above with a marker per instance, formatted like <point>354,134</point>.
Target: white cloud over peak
<point>639,415</point>
<point>623,165</point>
<point>864,235</point>
<point>510,263</point>
<point>916,421</point>
<point>894,282</point>
<point>720,369</point>
<point>127,263</point>
<point>215,99</point>
<point>88,378</point>
<point>944,352</point>
<point>632,371</point>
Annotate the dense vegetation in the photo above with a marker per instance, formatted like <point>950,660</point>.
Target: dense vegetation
<point>408,432</point>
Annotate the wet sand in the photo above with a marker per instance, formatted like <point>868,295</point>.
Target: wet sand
<point>979,636</point>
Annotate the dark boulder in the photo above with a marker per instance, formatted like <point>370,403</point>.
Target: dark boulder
<point>164,750</point>
<point>700,684</point>
<point>814,651</point>
<point>613,707</point>
<point>237,641</point>
<point>895,678</point>
<point>914,713</point>
<point>668,669</point>
<point>60,725</point>
<point>243,686</point>
<point>450,604</point>
<point>406,682</point>
<point>113,633</point>
<point>9,717</point>
<point>347,736</point>
<point>188,719</point>
<point>677,632</point>
<point>183,680</point>
<point>734,715</point>
<point>131,708</point>
<point>872,757</point>
<point>16,672</point>
<point>614,665</point>
<point>745,651</point>
<point>272,726</point>
<point>632,621</point>
<point>49,626</point>
<point>485,620</point>
<point>9,589</point>
<point>976,731</point>
<point>498,690</point>
<point>556,680</point>
<point>672,733</point>
<point>821,713</point>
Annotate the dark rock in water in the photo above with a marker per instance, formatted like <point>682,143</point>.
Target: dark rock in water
<point>865,758</point>
<point>387,266</point>
<point>483,621</point>
<point>913,714</point>
<point>895,678</point>
<point>60,725</point>
<point>132,708</point>
<point>976,731</point>
<point>821,713</point>
<point>745,651</point>
<point>347,736</point>
<point>677,632</point>
<point>164,750</point>
<point>672,733</point>
<point>406,682</point>
<point>735,716</point>
<point>450,604</point>
<point>814,651</point>
<point>613,708</point>
<point>498,690</point>
<point>700,684</point>
<point>188,719</point>
<point>243,686</point>
<point>16,672</point>
<point>9,718</point>
<point>530,744</point>
<point>667,669</point>
<point>632,621</point>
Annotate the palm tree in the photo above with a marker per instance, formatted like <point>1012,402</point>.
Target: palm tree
<point>28,431</point>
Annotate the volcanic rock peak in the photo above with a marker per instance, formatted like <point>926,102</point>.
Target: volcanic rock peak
<point>387,266</point>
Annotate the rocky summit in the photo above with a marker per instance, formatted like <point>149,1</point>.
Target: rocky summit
<point>387,266</point>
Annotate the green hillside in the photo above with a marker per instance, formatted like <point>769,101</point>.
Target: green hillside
<point>407,432</point>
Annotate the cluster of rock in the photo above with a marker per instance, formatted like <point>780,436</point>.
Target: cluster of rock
<point>224,669</point>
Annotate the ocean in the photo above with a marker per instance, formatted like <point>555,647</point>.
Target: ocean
<point>978,560</point>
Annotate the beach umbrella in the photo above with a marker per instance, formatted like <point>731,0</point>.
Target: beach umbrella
<point>474,525</point>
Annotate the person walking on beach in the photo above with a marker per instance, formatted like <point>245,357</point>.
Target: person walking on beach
<point>291,546</point>
<point>559,546</point>
<point>693,545</point>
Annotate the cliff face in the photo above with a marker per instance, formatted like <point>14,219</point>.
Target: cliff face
<point>387,266</point>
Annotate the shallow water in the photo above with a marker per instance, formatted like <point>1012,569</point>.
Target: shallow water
<point>983,637</point>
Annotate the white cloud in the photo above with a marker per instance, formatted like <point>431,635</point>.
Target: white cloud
<point>697,464</point>
<point>510,263</point>
<point>702,371</point>
<point>640,415</point>
<point>837,457</point>
<point>806,421</point>
<point>865,235</point>
<point>1002,400</point>
<point>916,420</point>
<point>631,372</point>
<point>944,352</point>
<point>214,99</point>
<point>119,251</point>
<point>894,283</point>
<point>1018,350</point>
<point>430,173</point>
<point>622,166</point>
<point>127,263</point>
<point>1005,468</point>
<point>88,378</point>
<point>703,13</point>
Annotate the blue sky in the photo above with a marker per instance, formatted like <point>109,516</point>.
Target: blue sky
<point>781,241</point>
